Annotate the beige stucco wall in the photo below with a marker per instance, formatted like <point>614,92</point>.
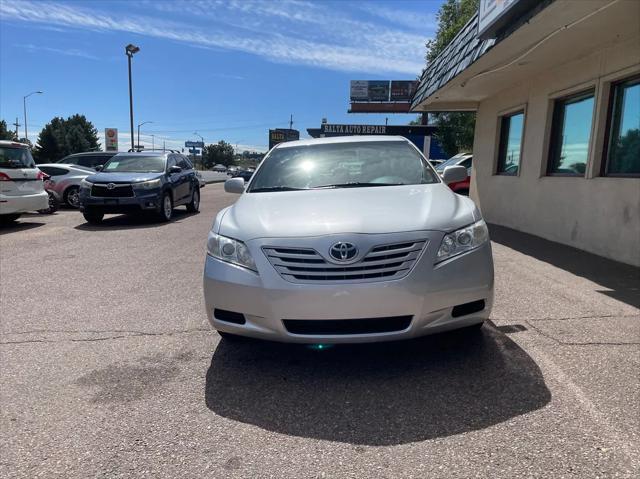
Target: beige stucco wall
<point>597,214</point>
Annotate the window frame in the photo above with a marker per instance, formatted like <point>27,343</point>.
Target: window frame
<point>499,159</point>
<point>553,130</point>
<point>605,157</point>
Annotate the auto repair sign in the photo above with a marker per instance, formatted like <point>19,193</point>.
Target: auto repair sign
<point>111,139</point>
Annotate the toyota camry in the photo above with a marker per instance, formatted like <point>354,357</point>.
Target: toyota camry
<point>347,239</point>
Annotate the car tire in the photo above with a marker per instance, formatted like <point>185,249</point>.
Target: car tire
<point>93,217</point>
<point>229,336</point>
<point>53,205</point>
<point>72,196</point>
<point>6,219</point>
<point>166,207</point>
<point>194,205</point>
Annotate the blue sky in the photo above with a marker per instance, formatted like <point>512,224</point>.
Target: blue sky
<point>227,69</point>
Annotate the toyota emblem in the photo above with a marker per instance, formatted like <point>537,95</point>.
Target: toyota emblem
<point>343,251</point>
<point>110,186</point>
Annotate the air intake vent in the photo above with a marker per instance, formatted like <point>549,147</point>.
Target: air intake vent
<point>330,327</point>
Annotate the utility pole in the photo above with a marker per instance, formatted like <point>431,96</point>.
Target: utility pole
<point>153,142</point>
<point>291,122</point>
<point>163,144</point>
<point>17,125</point>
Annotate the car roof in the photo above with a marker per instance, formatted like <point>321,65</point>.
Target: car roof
<point>342,139</point>
<point>92,153</point>
<point>66,165</point>
<point>13,144</point>
<point>146,153</point>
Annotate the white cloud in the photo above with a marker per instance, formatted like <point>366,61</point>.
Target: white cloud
<point>314,36</point>
<point>72,52</point>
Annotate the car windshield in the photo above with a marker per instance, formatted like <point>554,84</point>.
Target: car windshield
<point>16,158</point>
<point>342,165</point>
<point>135,164</point>
<point>453,161</point>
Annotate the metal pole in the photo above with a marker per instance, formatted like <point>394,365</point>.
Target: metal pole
<point>24,104</point>
<point>131,101</point>
<point>153,142</point>
<point>138,145</point>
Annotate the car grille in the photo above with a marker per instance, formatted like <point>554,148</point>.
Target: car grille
<point>381,263</point>
<point>119,190</point>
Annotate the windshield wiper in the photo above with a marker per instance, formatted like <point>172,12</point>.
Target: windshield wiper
<point>356,184</point>
<point>275,188</point>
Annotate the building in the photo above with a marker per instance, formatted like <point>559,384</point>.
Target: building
<point>556,89</point>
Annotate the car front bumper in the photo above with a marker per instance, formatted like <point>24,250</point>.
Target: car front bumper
<point>142,201</point>
<point>427,295</point>
<point>24,203</point>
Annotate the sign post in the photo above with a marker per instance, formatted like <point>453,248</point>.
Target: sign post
<point>111,139</point>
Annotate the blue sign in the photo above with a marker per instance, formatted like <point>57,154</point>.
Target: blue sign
<point>194,144</point>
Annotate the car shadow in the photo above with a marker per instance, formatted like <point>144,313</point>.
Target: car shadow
<point>619,281</point>
<point>376,394</point>
<point>133,221</point>
<point>20,225</point>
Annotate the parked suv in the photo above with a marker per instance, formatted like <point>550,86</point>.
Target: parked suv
<point>90,159</point>
<point>21,183</point>
<point>153,182</point>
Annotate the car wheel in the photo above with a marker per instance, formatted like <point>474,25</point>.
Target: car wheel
<point>53,205</point>
<point>194,205</point>
<point>93,217</point>
<point>229,336</point>
<point>5,219</point>
<point>72,196</point>
<point>166,207</point>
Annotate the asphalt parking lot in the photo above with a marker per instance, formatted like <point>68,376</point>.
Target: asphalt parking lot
<point>109,369</point>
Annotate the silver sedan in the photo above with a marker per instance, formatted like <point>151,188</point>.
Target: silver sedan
<point>64,181</point>
<point>347,239</point>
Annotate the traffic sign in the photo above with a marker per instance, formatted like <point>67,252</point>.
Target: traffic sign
<point>194,144</point>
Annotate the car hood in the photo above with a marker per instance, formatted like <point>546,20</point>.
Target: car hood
<point>122,177</point>
<point>382,209</point>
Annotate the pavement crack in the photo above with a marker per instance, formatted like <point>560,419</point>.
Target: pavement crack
<point>115,334</point>
<point>578,343</point>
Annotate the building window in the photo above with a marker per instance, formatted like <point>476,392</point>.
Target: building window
<point>511,128</point>
<point>570,135</point>
<point>622,152</point>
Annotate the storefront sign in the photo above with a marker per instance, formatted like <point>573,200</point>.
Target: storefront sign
<point>280,135</point>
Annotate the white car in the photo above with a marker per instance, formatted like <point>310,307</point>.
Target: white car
<point>21,183</point>
<point>344,240</point>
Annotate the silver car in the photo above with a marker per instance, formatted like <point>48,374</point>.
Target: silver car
<point>64,181</point>
<point>347,239</point>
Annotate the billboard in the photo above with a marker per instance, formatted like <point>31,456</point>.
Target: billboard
<point>280,135</point>
<point>194,144</point>
<point>382,90</point>
<point>403,90</point>
<point>111,139</point>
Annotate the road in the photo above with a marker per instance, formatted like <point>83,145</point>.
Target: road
<point>109,369</point>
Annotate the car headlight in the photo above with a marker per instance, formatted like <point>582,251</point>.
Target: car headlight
<point>148,185</point>
<point>463,240</point>
<point>230,250</point>
<point>85,184</point>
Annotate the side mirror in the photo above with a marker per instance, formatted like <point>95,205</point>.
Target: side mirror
<point>175,169</point>
<point>453,174</point>
<point>234,185</point>
<point>98,167</point>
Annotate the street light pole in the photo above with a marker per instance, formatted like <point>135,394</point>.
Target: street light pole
<point>24,105</point>
<point>131,50</point>
<point>153,142</point>
<point>139,125</point>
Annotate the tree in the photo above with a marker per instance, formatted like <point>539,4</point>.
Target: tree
<point>455,129</point>
<point>221,152</point>
<point>5,133</point>
<point>61,137</point>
